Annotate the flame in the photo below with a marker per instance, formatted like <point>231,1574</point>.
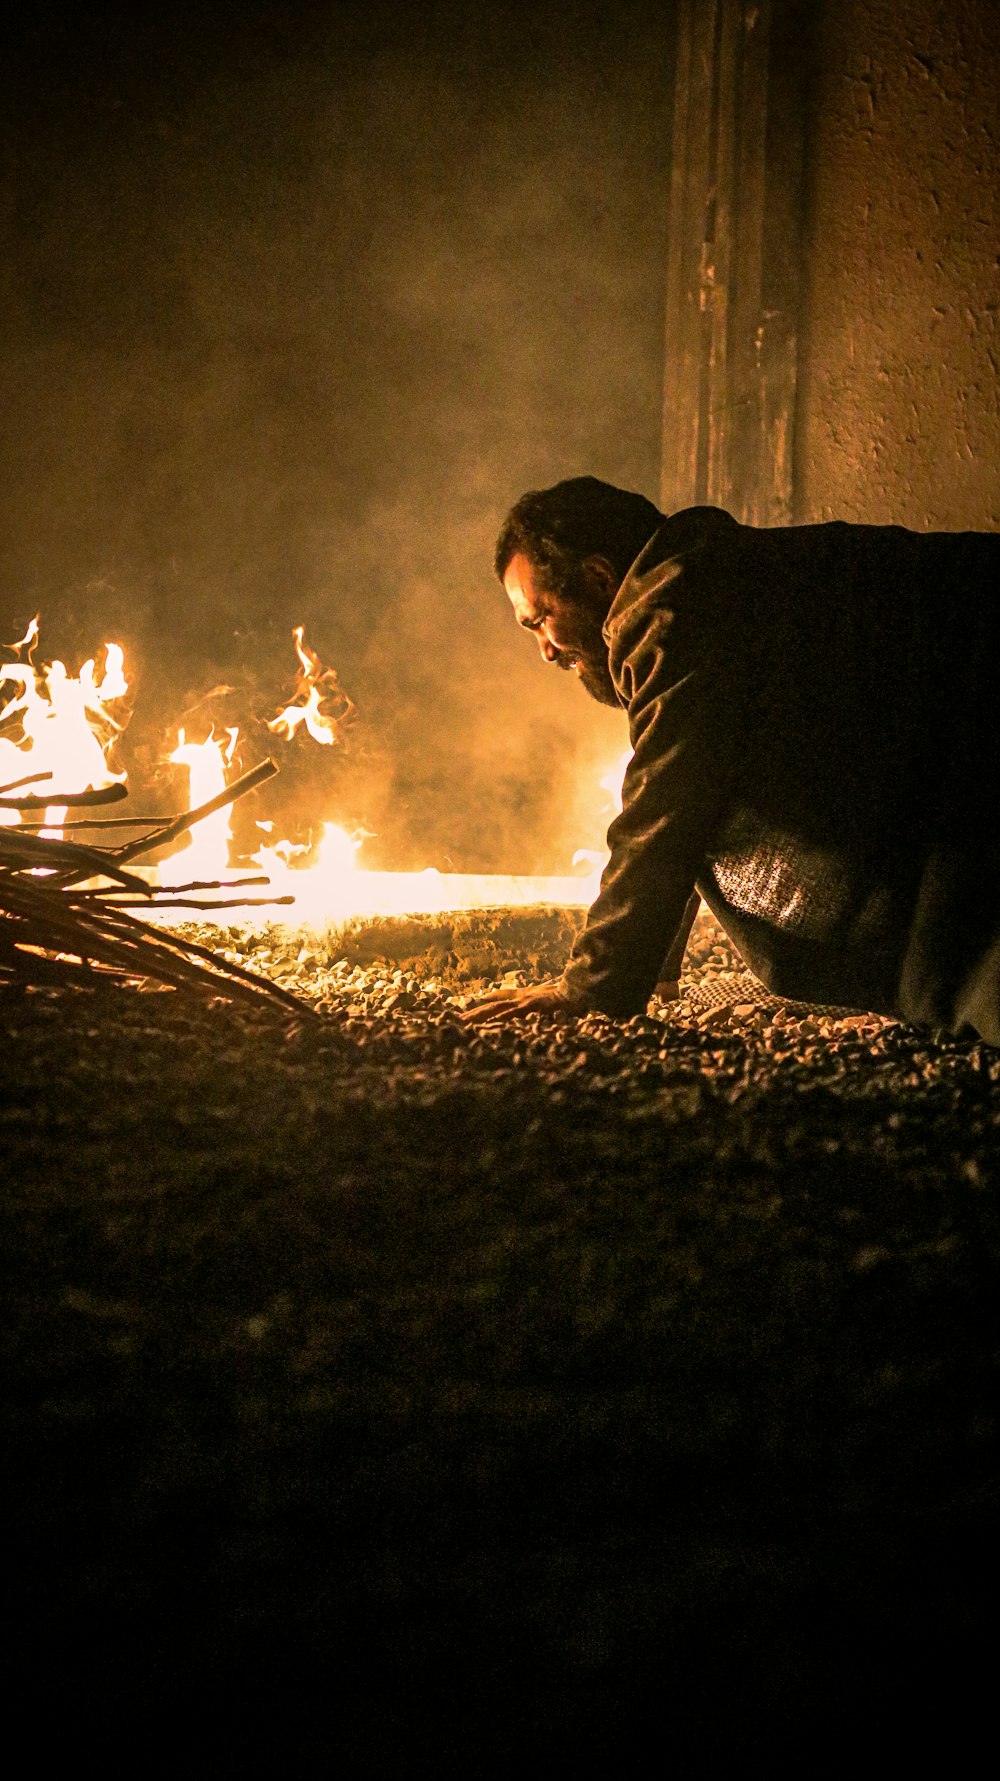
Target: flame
<point>315,685</point>
<point>611,783</point>
<point>335,887</point>
<point>59,724</point>
<point>206,847</point>
<point>329,884</point>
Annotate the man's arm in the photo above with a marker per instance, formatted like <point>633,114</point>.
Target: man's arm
<point>672,657</point>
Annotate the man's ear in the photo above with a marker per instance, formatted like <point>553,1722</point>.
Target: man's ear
<point>604,574</point>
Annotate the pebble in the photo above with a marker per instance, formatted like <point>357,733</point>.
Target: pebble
<point>724,1036</point>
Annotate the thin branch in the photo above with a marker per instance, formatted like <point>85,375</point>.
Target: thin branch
<point>19,852</point>
<point>120,900</point>
<point>43,919</point>
<point>103,794</point>
<point>49,919</point>
<point>29,779</point>
<point>101,822</point>
<point>224,966</point>
<point>197,884</point>
<point>180,825</point>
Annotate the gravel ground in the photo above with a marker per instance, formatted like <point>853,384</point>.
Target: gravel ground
<point>383,1391</point>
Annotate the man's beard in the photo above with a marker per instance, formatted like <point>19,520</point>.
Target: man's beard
<point>589,656</point>
<point>594,675</point>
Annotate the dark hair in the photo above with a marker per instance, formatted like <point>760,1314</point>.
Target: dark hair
<point>558,528</point>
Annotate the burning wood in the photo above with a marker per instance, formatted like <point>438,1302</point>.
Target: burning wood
<point>56,929</point>
<point>65,723</point>
<point>104,794</point>
<point>63,729</point>
<point>180,825</point>
<point>65,904</point>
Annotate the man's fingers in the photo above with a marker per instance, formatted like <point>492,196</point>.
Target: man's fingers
<point>497,998</point>
<point>497,1008</point>
<point>546,998</point>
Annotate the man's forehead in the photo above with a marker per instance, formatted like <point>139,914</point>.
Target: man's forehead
<point>519,581</point>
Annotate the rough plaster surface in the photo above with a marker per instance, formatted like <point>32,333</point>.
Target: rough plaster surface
<point>898,394</point>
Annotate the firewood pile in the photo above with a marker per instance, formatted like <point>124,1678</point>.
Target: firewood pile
<point>66,905</point>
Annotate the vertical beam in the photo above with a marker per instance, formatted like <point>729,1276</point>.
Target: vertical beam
<point>735,246</point>
<point>690,185</point>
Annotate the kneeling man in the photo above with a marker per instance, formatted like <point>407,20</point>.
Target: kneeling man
<point>813,717</point>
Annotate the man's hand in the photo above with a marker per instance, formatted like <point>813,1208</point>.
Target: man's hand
<point>505,1004</point>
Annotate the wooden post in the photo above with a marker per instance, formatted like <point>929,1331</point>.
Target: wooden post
<point>736,242</point>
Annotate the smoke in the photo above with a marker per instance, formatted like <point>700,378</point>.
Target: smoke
<point>303,297</point>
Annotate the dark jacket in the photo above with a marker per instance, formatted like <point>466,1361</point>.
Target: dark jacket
<point>813,715</point>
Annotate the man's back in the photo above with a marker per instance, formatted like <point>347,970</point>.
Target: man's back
<point>863,658</point>
<point>824,697</point>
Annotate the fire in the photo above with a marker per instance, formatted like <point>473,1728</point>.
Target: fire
<point>335,886</point>
<point>314,687</point>
<point>206,847</point>
<point>611,783</point>
<point>59,726</point>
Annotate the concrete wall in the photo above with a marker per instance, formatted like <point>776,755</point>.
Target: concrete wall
<point>897,416</point>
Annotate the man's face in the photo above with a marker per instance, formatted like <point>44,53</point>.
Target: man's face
<point>568,631</point>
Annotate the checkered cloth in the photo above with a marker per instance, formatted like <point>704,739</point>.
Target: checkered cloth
<point>790,886</point>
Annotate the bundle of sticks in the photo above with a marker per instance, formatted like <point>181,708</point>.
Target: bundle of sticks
<point>66,904</point>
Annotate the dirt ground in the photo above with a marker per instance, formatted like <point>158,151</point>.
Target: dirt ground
<point>380,1392</point>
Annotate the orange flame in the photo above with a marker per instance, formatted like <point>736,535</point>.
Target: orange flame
<point>206,846</point>
<point>60,724</point>
<point>315,687</point>
<point>611,782</point>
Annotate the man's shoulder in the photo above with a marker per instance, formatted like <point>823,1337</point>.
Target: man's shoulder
<point>688,529</point>
<point>683,535</point>
<point>657,578</point>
